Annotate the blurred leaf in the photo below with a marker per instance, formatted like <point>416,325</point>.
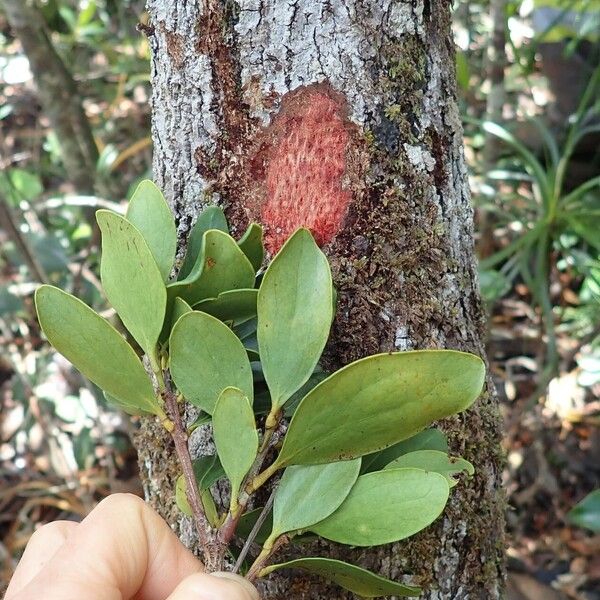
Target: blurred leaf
<point>49,252</point>
<point>83,449</point>
<point>150,214</point>
<point>462,71</point>
<point>131,279</point>
<point>106,159</point>
<point>379,401</point>
<point>295,309</point>
<point>206,358</point>
<point>359,581</point>
<point>415,498</point>
<point>87,13</point>
<point>9,303</point>
<point>17,185</point>
<point>494,284</point>
<point>587,512</point>
<point>95,348</point>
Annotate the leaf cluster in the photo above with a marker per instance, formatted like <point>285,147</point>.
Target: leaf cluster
<point>356,464</point>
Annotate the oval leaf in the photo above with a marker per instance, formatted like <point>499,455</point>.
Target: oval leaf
<point>180,308</point>
<point>205,358</point>
<point>308,494</point>
<point>295,310</point>
<point>252,245</point>
<point>235,436</point>
<point>430,439</point>
<point>415,498</point>
<point>149,212</point>
<point>359,581</point>
<point>221,266</point>
<point>434,460</point>
<point>378,401</point>
<point>212,217</point>
<point>234,305</point>
<point>131,279</point>
<point>96,348</point>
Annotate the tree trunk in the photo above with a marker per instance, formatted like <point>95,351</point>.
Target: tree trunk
<point>342,116</point>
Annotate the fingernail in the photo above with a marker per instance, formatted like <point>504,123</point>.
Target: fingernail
<point>240,581</point>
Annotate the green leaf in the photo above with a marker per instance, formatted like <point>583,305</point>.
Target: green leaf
<point>429,439</point>
<point>206,357</point>
<point>149,212</point>
<point>295,309</point>
<point>379,401</point>
<point>414,497</point>
<point>131,279</point>
<point>207,470</point>
<point>587,512</point>
<point>434,460</point>
<point>210,218</point>
<point>235,436</point>
<point>247,522</point>
<point>359,581</point>
<point>234,305</point>
<point>202,419</point>
<point>308,494</point>
<point>180,308</point>
<point>246,330</point>
<point>221,266</point>
<point>97,349</point>
<point>252,245</point>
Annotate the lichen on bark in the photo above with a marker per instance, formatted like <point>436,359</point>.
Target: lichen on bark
<point>403,260</point>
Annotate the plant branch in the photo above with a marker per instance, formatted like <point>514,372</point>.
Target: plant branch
<point>254,532</point>
<point>180,439</point>
<point>264,556</point>
<point>9,224</point>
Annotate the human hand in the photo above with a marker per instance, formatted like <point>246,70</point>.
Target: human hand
<point>122,550</point>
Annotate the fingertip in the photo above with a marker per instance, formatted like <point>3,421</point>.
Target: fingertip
<point>217,586</point>
<point>240,581</point>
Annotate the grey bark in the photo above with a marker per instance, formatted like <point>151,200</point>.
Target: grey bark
<point>57,92</point>
<point>403,262</point>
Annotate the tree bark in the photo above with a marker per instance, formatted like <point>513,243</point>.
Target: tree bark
<point>342,116</point>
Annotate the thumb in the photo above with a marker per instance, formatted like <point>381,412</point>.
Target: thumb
<point>216,586</point>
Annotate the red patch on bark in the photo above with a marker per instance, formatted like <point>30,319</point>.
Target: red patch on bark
<point>301,165</point>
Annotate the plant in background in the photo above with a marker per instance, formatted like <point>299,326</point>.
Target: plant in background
<point>356,464</point>
<point>586,513</point>
<point>549,219</point>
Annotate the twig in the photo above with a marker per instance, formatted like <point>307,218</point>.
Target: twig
<point>9,224</point>
<point>254,532</point>
<point>264,556</point>
<point>180,438</point>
